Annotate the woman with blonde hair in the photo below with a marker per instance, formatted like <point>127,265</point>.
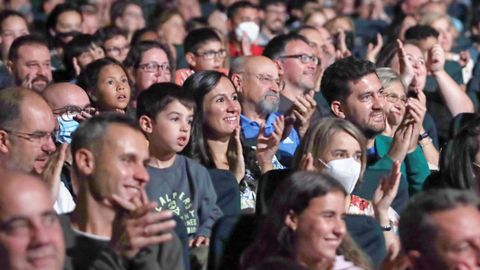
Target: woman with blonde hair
<point>336,147</point>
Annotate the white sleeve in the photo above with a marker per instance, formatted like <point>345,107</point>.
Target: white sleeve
<point>64,202</point>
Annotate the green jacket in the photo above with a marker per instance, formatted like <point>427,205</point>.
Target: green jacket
<point>414,166</point>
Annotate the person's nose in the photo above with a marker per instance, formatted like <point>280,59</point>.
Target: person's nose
<point>233,106</point>
<point>141,174</point>
<point>378,101</point>
<point>340,228</point>
<point>185,127</point>
<point>40,235</point>
<point>49,145</point>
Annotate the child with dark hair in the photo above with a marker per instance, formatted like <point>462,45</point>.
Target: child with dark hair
<point>204,50</point>
<point>165,112</point>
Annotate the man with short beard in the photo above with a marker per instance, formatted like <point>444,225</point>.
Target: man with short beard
<point>257,81</point>
<point>274,17</point>
<point>29,62</point>
<point>355,93</point>
<point>298,65</point>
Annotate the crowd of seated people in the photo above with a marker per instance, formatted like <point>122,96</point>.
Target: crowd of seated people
<point>246,134</point>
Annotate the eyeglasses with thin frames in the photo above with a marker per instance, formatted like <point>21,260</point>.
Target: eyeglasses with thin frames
<point>38,136</point>
<point>153,67</point>
<point>264,79</point>
<point>304,58</point>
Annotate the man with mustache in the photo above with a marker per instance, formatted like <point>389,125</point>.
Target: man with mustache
<point>29,62</point>
<point>354,92</point>
<point>258,84</point>
<point>30,232</point>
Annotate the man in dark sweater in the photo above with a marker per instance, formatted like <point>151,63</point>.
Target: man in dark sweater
<point>114,226</point>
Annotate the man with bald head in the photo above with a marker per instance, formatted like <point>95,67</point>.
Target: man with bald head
<point>27,131</point>
<point>258,84</point>
<point>30,233</point>
<point>70,105</point>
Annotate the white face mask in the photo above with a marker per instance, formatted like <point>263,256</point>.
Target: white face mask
<point>250,28</point>
<point>346,171</point>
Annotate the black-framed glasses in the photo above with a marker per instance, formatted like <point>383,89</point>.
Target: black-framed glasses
<point>264,79</point>
<point>67,113</point>
<point>37,136</point>
<point>304,58</point>
<point>152,67</point>
<point>208,55</point>
<point>392,98</point>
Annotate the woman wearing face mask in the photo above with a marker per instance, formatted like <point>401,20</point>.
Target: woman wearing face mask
<point>336,148</point>
<point>305,227</point>
<point>63,24</point>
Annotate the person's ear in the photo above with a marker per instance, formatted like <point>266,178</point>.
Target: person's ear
<point>76,66</point>
<point>146,124</point>
<point>280,67</point>
<point>85,161</point>
<point>237,82</point>
<point>291,220</point>
<point>337,109</point>
<point>190,58</point>
<point>4,142</point>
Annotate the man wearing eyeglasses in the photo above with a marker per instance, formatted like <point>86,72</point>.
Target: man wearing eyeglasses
<point>70,105</point>
<point>298,66</point>
<point>257,81</point>
<point>27,134</point>
<point>30,233</point>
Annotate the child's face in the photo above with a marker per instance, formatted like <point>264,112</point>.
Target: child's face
<point>210,56</point>
<point>171,128</point>
<point>113,90</point>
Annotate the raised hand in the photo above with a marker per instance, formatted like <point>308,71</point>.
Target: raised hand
<point>342,50</point>
<point>374,49</point>
<point>402,139</point>
<point>137,225</point>
<point>246,44</point>
<point>406,66</point>
<point>303,109</point>
<point>267,146</point>
<point>53,170</point>
<point>306,163</point>
<point>386,192</point>
<point>417,108</point>
<point>436,59</point>
<point>236,162</point>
